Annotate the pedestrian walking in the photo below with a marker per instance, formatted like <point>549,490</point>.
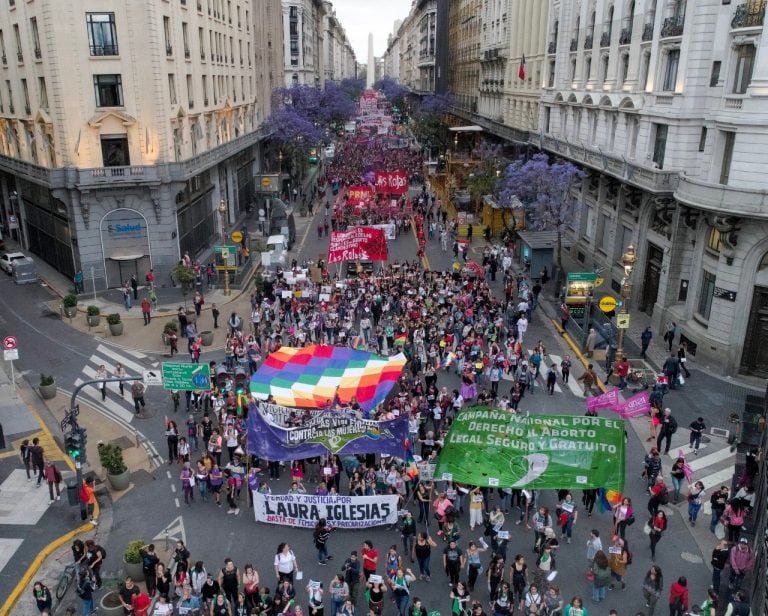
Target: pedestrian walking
<point>695,501</point>
<point>88,498</point>
<point>618,555</point>
<point>742,561</point>
<point>588,378</point>
<point>697,427</point>
<point>120,373</point>
<point>101,375</point>
<point>667,428</point>
<point>657,525</point>
<point>215,314</point>
<point>645,340</point>
<point>653,584</point>
<point>352,570</point>
<point>589,344</point>
<point>146,310</point>
<point>198,302</point>
<point>601,576</point>
<point>623,516</point>
<point>320,537</point>
<point>187,477</point>
<point>551,377</point>
<point>77,279</point>
<point>565,368</point>
<point>135,287</point>
<point>137,393</point>
<point>26,457</point>
<point>682,356</point>
<point>42,596</point>
<point>37,456</point>
<point>671,369</point>
<point>678,597</point>
<point>53,477</point>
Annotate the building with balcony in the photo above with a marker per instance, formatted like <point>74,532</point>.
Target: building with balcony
<point>422,45</point>
<point>302,39</point>
<point>122,127</point>
<point>464,36</point>
<point>338,58</point>
<point>666,108</point>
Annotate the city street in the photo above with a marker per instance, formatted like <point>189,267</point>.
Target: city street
<point>153,505</point>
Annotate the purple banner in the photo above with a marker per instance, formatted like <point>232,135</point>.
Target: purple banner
<point>636,406</point>
<point>327,432</point>
<point>607,400</point>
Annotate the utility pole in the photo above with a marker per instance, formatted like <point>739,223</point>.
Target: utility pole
<point>76,437</point>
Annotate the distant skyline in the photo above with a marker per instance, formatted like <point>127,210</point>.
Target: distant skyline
<point>359,17</point>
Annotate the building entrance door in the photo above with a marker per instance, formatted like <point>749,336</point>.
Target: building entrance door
<point>754,359</point>
<point>651,278</point>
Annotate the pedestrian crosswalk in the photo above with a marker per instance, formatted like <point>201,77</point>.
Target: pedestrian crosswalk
<point>714,464</point>
<point>134,362</point>
<point>541,381</point>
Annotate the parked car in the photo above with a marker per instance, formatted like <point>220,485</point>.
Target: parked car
<point>7,259</point>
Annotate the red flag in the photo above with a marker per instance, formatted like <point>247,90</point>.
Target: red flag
<point>521,71</point>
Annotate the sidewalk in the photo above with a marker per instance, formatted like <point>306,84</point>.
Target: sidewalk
<point>35,534</point>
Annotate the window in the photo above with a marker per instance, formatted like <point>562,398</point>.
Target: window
<point>35,37</point>
<point>714,76</point>
<point>293,12</point>
<point>745,62</point>
<point>626,240</point>
<point>190,92</point>
<point>205,90</point>
<point>660,144</point>
<point>25,91</point>
<point>604,68</point>
<point>109,90</point>
<point>670,70</point>
<point>729,137</point>
<point>201,42</point>
<point>114,151</point>
<point>587,67</point>
<point>646,68</point>
<point>19,52</point>
<point>703,139</point>
<point>167,32</point>
<point>102,34</point>
<point>573,69</point>
<point>172,88</point>
<point>10,95</point>
<point>547,118</point>
<point>706,292</point>
<point>604,238</point>
<point>713,239</point>
<point>551,82</point>
<point>43,92</point>
<point>185,38</point>
<point>624,70</point>
<point>2,47</point>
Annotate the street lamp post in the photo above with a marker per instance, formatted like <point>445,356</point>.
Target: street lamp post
<point>223,212</point>
<point>628,260</point>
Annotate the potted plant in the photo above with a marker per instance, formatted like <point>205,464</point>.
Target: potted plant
<point>132,560</point>
<point>70,305</point>
<point>206,338</point>
<point>92,315</point>
<point>111,458</point>
<point>115,324</point>
<point>47,387</point>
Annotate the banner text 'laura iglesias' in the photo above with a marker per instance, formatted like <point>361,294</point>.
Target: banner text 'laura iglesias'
<point>305,510</point>
<point>496,448</point>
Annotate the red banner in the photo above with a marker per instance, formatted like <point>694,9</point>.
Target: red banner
<point>358,244</point>
<point>395,182</point>
<point>359,195</point>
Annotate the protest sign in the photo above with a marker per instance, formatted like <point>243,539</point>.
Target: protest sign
<point>358,244</point>
<point>636,406</point>
<point>392,182</point>
<point>606,400</point>
<point>305,510</point>
<point>490,447</point>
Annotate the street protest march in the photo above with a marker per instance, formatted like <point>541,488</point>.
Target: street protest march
<point>358,244</point>
<point>305,510</point>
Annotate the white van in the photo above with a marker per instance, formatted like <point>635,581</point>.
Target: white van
<point>24,271</point>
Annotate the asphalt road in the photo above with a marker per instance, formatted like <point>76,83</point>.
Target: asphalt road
<point>47,345</point>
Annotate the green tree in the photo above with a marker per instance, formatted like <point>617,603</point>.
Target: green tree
<point>185,278</point>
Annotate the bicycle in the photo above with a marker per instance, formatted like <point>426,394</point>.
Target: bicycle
<point>71,572</point>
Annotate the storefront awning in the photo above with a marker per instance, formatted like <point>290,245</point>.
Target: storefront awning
<point>119,257</point>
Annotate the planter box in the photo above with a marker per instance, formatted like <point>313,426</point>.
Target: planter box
<point>206,338</point>
<point>119,482</point>
<point>110,605</point>
<point>116,329</point>
<point>48,392</point>
<point>70,311</point>
<point>93,320</point>
<point>135,570</point>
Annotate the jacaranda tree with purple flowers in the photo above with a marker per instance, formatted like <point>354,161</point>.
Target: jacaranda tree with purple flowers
<point>545,190</point>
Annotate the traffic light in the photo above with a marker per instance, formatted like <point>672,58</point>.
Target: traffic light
<point>73,443</point>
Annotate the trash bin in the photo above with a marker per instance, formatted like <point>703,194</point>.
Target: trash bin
<point>73,496</point>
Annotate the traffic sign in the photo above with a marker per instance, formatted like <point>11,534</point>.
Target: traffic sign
<point>607,303</point>
<point>10,354</point>
<point>9,342</point>
<point>237,237</point>
<point>152,377</point>
<point>622,320</point>
<point>183,377</point>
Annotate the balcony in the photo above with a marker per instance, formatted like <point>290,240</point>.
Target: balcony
<point>673,26</point>
<point>654,180</point>
<point>718,198</point>
<point>552,47</point>
<point>169,50</point>
<point>186,54</point>
<point>605,39</point>
<point>626,36</point>
<point>588,41</point>
<point>38,53</point>
<point>20,56</point>
<point>733,103</point>
<point>647,32</point>
<point>749,15</point>
<point>574,44</point>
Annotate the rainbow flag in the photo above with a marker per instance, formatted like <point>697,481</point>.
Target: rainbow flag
<point>310,376</point>
<point>400,340</point>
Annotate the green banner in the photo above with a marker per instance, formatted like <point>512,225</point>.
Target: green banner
<point>490,447</point>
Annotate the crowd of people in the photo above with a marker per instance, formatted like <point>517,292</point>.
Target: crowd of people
<point>452,328</point>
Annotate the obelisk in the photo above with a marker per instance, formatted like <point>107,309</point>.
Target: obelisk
<point>371,74</point>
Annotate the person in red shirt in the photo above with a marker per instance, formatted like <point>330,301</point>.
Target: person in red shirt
<point>622,370</point>
<point>370,559</point>
<point>678,597</point>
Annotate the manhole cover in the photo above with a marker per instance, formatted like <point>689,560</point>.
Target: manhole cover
<point>691,558</point>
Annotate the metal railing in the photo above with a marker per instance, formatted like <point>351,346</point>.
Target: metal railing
<point>626,36</point>
<point>648,32</point>
<point>673,26</point>
<point>749,15</point>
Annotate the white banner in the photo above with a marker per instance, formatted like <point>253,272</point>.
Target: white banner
<point>305,510</point>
